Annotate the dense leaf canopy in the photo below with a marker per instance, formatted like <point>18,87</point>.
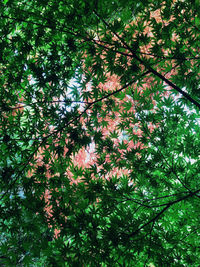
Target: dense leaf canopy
<point>99,133</point>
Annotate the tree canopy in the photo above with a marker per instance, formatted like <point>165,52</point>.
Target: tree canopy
<point>99,133</point>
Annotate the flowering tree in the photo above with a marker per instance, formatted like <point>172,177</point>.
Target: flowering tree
<point>99,133</point>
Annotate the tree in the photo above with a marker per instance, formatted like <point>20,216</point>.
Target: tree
<point>99,133</point>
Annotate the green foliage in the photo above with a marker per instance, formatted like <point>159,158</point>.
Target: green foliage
<point>137,202</point>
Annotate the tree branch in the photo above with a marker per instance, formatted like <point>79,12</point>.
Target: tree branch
<point>162,211</point>
<point>147,66</point>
